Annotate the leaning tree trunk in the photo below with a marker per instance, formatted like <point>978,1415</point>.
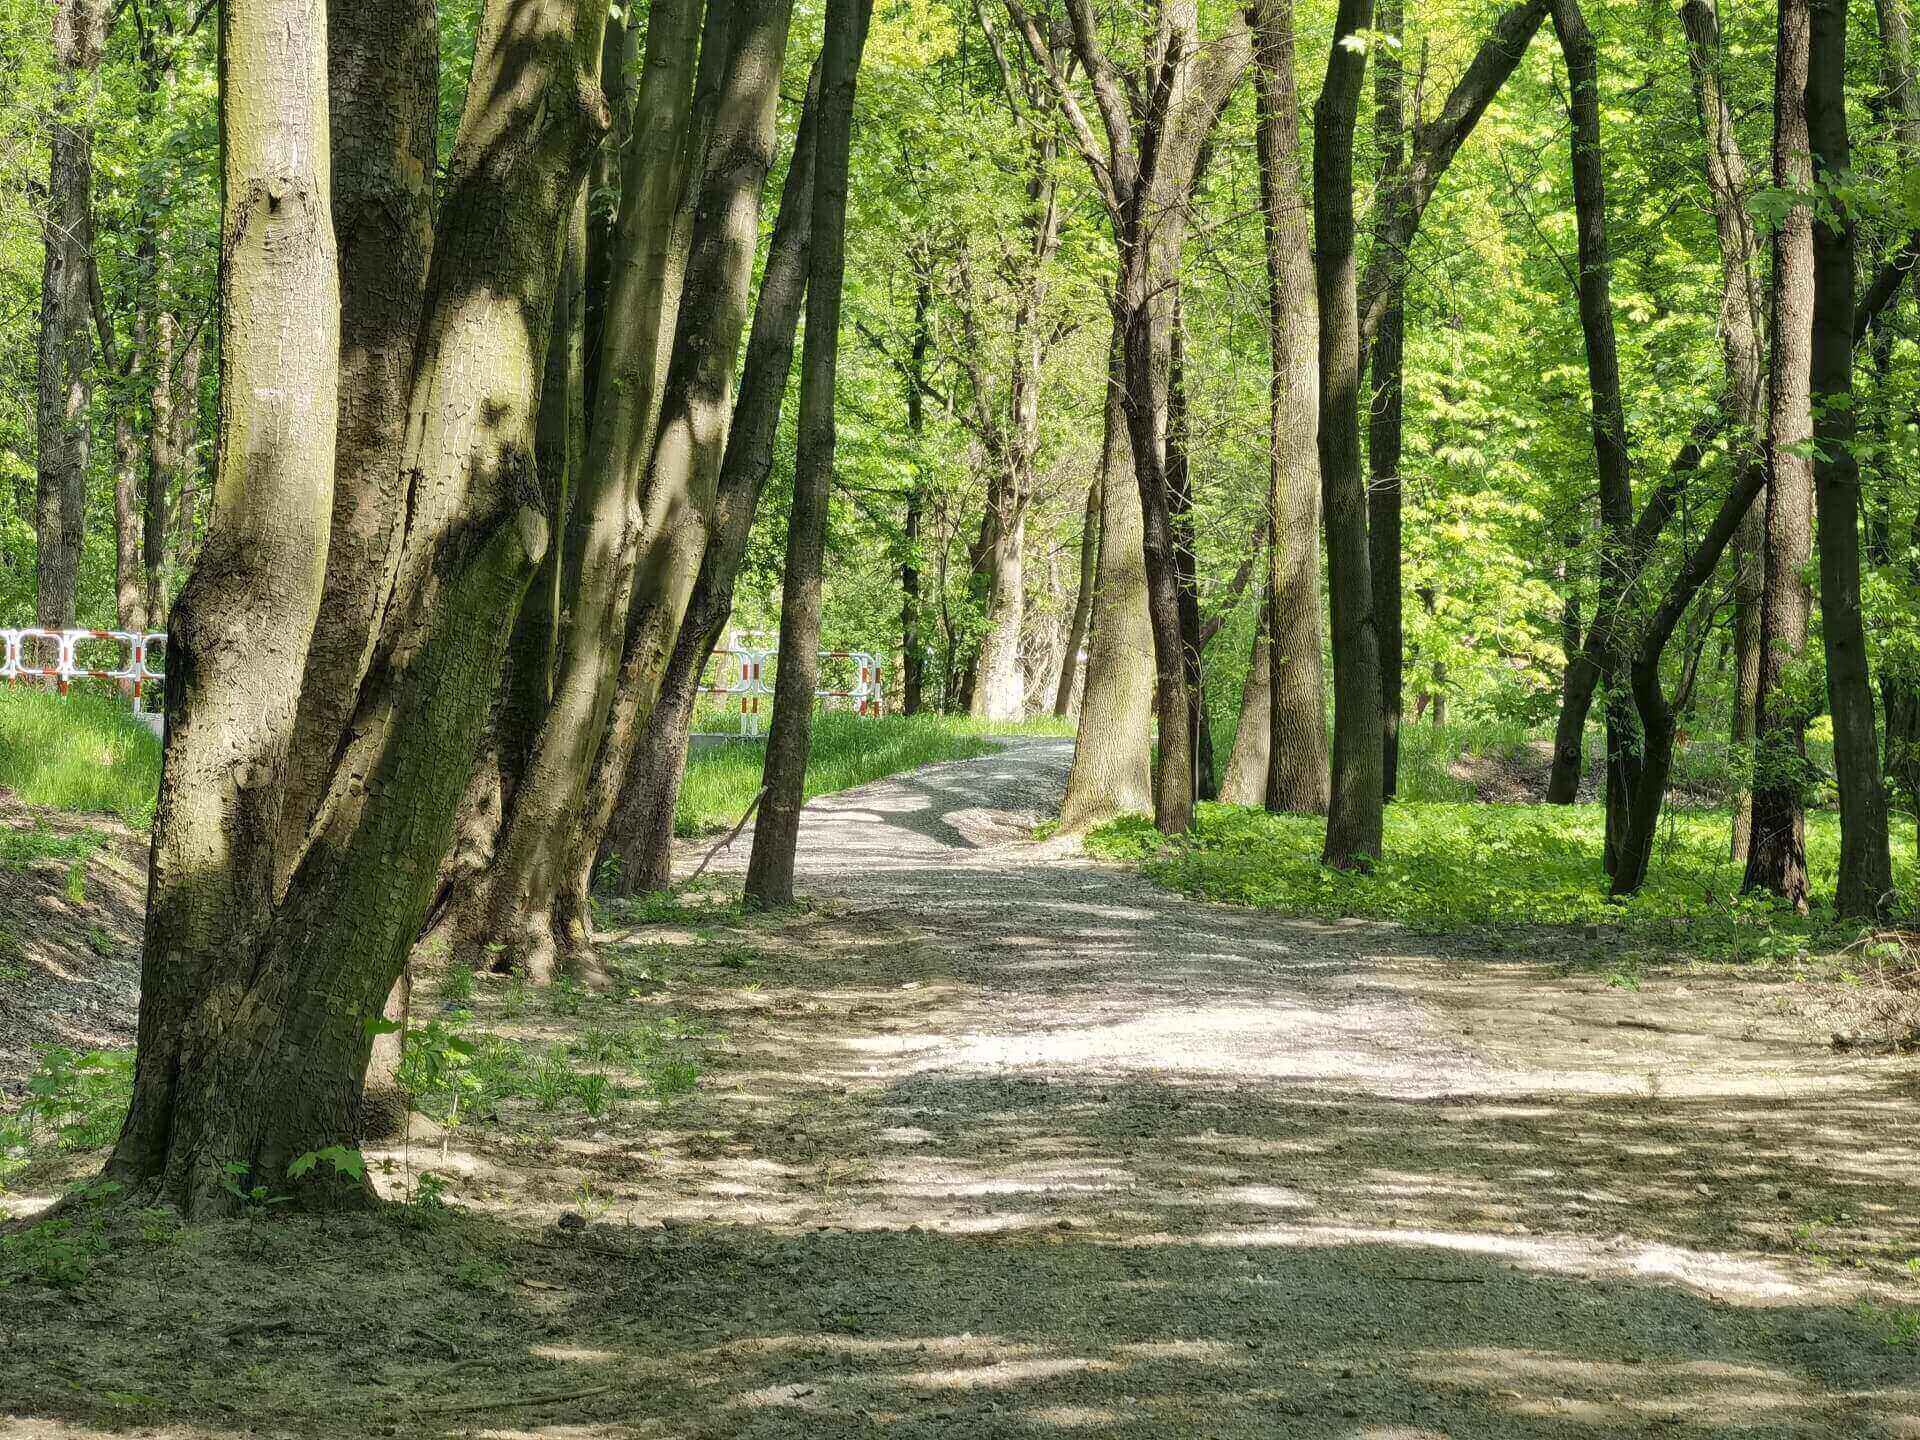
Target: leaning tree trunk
<point>1777,857</point>
<point>1112,746</point>
<point>777,835</point>
<point>383,85</point>
<point>1297,743</point>
<point>1385,411</point>
<point>1354,818</point>
<point>254,1033</point>
<point>1865,888</point>
<point>65,423</point>
<point>650,793</point>
<point>1245,780</point>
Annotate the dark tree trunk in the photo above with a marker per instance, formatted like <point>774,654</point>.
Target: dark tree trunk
<point>1777,856</point>
<point>1865,888</point>
<point>1354,818</point>
<point>776,836</point>
<point>1384,415</point>
<point>1077,627</point>
<point>1297,777</point>
<point>651,792</point>
<point>913,654</point>
<point>1186,563</point>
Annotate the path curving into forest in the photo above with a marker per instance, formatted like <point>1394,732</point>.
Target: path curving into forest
<point>1156,1167</point>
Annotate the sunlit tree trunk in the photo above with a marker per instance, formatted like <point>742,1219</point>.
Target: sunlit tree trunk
<point>254,1024</point>
<point>1077,627</point>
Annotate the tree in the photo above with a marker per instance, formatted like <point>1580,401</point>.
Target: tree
<point>66,317</point>
<point>1777,858</point>
<point>1354,819</point>
<point>273,993</point>
<point>1385,417</point>
<point>776,836</point>
<point>1865,886</point>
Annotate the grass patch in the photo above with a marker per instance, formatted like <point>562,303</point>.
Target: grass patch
<point>848,750</point>
<point>84,752</point>
<point>1452,867</point>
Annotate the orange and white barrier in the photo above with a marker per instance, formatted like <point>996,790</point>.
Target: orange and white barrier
<point>25,653</point>
<point>750,664</point>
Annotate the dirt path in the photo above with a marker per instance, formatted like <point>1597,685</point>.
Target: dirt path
<point>1006,1143</point>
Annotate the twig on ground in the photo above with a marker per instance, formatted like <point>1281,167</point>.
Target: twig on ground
<point>732,835</point>
<point>513,1402</point>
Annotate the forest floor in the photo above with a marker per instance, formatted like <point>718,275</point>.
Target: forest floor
<point>995,1140</point>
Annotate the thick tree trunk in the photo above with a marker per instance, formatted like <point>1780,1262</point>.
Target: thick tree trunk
<point>1000,681</point>
<point>253,1031</point>
<point>1111,772</point>
<point>1617,558</point>
<point>1297,777</point>
<point>1386,408</point>
<point>776,835</point>
<point>65,422</point>
<point>1777,857</point>
<point>642,826</point>
<point>383,83</point>
<point>1354,818</point>
<point>1742,324</point>
<point>1865,887</point>
<point>1078,626</point>
<point>1245,780</point>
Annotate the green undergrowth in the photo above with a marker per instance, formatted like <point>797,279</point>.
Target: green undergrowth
<point>83,752</point>
<point>1482,869</point>
<point>848,750</point>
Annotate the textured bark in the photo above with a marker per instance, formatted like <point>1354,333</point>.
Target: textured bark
<point>1245,780</point>
<point>776,835</point>
<point>1386,402</point>
<point>1617,561</point>
<point>1354,819</point>
<point>253,1027</point>
<point>1111,773</point>
<point>1082,619</point>
<point>129,576</point>
<point>1742,324</point>
<point>913,649</point>
<point>65,424</point>
<point>1865,886</point>
<point>239,632</point>
<point>383,84</point>
<point>1186,568</point>
<point>1297,777</point>
<point>1777,856</point>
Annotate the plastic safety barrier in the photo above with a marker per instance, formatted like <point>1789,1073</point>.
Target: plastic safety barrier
<point>749,664</point>
<point>24,655</point>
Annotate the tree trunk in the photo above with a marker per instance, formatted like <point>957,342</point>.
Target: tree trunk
<point>1865,889</point>
<point>1385,412</point>
<point>1245,781</point>
<point>1297,742</point>
<point>1077,627</point>
<point>1111,772</point>
<point>384,97</point>
<point>1777,856</point>
<point>65,423</point>
<point>776,835</point>
<point>642,826</point>
<point>1354,818</point>
<point>129,576</point>
<point>913,650</point>
<point>1617,557</point>
<point>1742,324</point>
<point>253,1027</point>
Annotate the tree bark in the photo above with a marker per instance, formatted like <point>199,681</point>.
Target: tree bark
<point>1865,886</point>
<point>65,422</point>
<point>383,83</point>
<point>776,835</point>
<point>1617,560</point>
<point>1297,777</point>
<point>1078,626</point>
<point>1245,780</point>
<point>1742,326</point>
<point>1777,857</point>
<point>253,1027</point>
<point>1186,568</point>
<point>650,793</point>
<point>913,651</point>
<point>1385,410</point>
<point>1111,773</point>
<point>1354,819</point>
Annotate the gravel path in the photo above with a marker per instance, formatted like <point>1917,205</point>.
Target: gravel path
<point>1157,1167</point>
